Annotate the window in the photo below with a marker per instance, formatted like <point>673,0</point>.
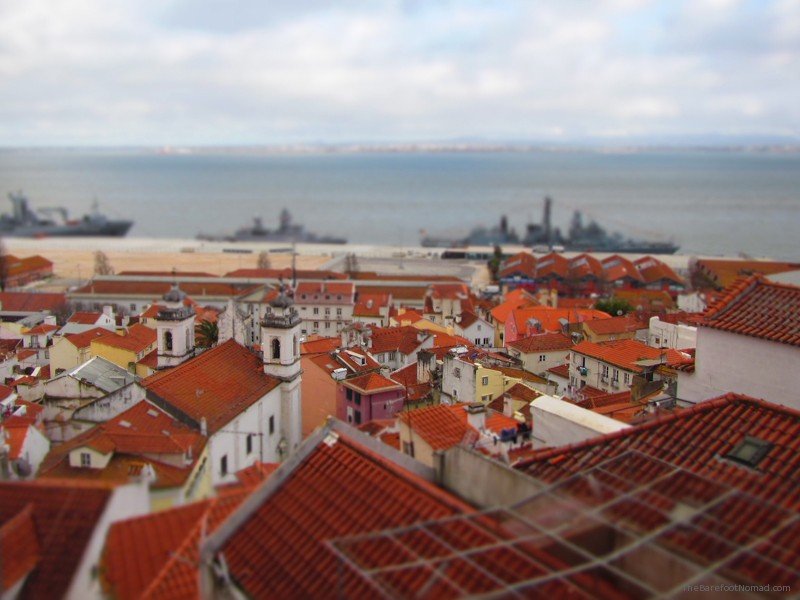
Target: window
<point>485,381</point>
<point>276,349</point>
<point>223,466</point>
<point>542,357</point>
<point>327,325</point>
<point>271,424</point>
<point>249,443</point>
<point>485,341</point>
<point>133,307</point>
<point>357,399</point>
<point>750,451</point>
<point>316,324</point>
<point>303,296</point>
<point>605,370</point>
<point>615,376</point>
<point>86,459</point>
<point>296,347</point>
<point>167,340</point>
<point>358,417</point>
<point>627,377</point>
<point>338,312</point>
<point>316,310</point>
<point>457,373</point>
<point>408,448</point>
<point>487,398</point>
<point>348,393</point>
<point>327,311</point>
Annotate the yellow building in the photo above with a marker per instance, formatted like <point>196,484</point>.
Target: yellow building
<point>72,350</point>
<point>128,350</point>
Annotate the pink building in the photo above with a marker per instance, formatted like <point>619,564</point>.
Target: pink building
<point>372,396</point>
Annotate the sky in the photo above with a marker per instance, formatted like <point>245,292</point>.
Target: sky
<point>257,72</point>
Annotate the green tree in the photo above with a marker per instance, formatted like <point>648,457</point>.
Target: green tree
<point>495,262</point>
<point>614,306</point>
<point>206,334</point>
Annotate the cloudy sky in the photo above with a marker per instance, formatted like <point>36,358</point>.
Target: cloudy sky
<point>155,72</point>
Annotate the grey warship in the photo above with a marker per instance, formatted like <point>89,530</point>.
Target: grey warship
<point>543,236</point>
<point>287,232</point>
<point>27,222</point>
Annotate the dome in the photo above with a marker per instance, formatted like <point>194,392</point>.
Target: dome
<point>175,294</point>
<point>281,301</point>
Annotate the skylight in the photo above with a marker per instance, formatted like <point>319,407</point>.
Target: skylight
<point>750,451</point>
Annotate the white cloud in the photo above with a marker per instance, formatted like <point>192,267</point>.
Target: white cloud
<point>92,71</point>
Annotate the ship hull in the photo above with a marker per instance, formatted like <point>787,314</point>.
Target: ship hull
<point>108,229</point>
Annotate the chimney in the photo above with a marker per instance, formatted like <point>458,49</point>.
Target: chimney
<point>476,415</point>
<point>108,310</point>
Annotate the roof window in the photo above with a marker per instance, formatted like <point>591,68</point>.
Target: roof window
<point>750,451</point>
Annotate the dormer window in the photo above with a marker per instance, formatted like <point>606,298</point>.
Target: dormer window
<point>750,451</point>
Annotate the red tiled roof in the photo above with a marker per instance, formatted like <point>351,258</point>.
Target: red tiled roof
<point>155,289</point>
<point>143,431</point>
<point>370,305</point>
<point>30,301</point>
<point>371,383</point>
<point>725,272</point>
<point>217,385</point>
<point>758,308</point>
<point>316,289</point>
<point>320,345</point>
<point>280,547</point>
<point>449,291</point>
<point>408,316</point>
<point>576,303</point>
<point>697,439</point>
<point>14,432</point>
<point>550,318</point>
<point>84,338</point>
<point>166,274</point>
<point>41,328</point>
<point>387,339</point>
<point>522,392</point>
<point>552,265</point>
<point>154,556</point>
<point>616,325</point>
<point>356,360</point>
<point>85,318</point>
<point>653,270</point>
<point>65,515</point>
<point>585,266</point>
<point>618,267</point>
<point>19,548</point>
<point>390,438</point>
<point>442,426</point>
<point>497,422</point>
<point>138,338</point>
<point>545,342</point>
<point>285,273</point>
<point>626,353</point>
<point>399,293</point>
<point>560,371</point>
<point>522,264</point>
<point>407,375</point>
<point>647,300</point>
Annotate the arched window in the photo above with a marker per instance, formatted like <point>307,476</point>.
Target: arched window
<point>276,349</point>
<point>296,348</point>
<point>167,340</point>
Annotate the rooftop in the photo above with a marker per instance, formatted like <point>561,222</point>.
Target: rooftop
<point>545,342</point>
<point>217,385</point>
<point>628,354</point>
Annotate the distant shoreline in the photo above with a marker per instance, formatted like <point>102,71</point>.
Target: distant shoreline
<point>415,148</point>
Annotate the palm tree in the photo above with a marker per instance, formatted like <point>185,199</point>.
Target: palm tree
<point>206,334</point>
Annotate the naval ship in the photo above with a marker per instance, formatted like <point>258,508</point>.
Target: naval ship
<point>286,232</point>
<point>27,222</point>
<point>544,237</point>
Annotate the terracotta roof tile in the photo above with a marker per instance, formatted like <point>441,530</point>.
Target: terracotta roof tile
<point>137,338</point>
<point>560,371</point>
<point>545,342</point>
<point>618,267</point>
<point>400,293</point>
<point>616,325</point>
<point>30,301</point>
<point>403,339</point>
<point>318,290</point>
<point>65,515</point>
<point>550,319</point>
<point>19,548</point>
<point>758,308</point>
<point>320,345</point>
<point>281,549</point>
<point>522,392</point>
<point>218,385</point>
<point>42,328</point>
<point>85,318</point>
<point>156,289</point>
<point>653,270</point>
<point>442,426</point>
<point>371,383</point>
<point>154,556</point>
<point>725,272</point>
<point>522,264</point>
<point>697,439</point>
<point>84,338</point>
<point>626,353</point>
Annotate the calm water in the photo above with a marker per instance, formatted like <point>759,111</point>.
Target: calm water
<point>713,203</point>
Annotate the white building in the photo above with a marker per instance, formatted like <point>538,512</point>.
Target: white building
<point>557,422</point>
<point>748,343</point>
<point>325,307</point>
<point>662,334</point>
<point>476,329</point>
<point>540,353</point>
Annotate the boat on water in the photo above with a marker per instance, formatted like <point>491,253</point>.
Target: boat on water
<point>544,237</point>
<point>287,232</point>
<point>32,223</point>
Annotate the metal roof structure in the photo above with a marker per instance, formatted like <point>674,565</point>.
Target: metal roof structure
<point>632,526</point>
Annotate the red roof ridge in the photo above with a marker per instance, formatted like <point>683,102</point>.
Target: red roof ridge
<point>657,421</point>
